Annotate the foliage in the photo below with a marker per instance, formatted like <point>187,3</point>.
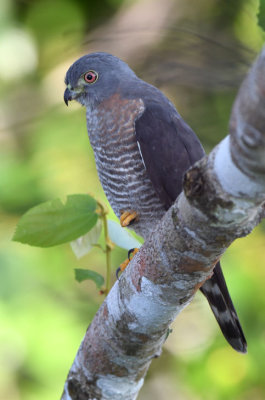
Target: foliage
<point>53,222</point>
<point>75,221</point>
<point>261,14</point>
<point>85,274</point>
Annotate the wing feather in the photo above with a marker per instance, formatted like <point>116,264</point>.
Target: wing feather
<point>168,147</point>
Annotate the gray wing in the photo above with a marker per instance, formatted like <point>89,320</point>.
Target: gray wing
<point>169,147</point>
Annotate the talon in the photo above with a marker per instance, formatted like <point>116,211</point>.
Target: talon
<point>122,267</point>
<point>132,252</point>
<point>118,270</point>
<point>127,217</point>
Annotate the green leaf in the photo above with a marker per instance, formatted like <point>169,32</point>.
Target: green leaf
<point>53,222</point>
<point>86,274</point>
<point>82,245</point>
<point>261,14</point>
<point>121,237</point>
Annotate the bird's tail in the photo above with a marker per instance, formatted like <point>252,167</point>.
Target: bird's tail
<point>216,292</point>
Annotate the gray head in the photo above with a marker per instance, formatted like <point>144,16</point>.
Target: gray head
<point>94,77</point>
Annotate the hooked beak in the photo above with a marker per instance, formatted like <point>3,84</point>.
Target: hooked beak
<point>67,96</point>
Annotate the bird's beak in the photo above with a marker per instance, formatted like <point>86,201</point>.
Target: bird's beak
<point>67,96</point>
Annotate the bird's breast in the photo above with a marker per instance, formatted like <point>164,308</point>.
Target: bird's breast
<point>111,129</point>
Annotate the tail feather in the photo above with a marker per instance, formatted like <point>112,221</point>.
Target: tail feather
<point>216,292</point>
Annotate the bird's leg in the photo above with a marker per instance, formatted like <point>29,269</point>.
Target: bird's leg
<point>122,267</point>
<point>127,217</point>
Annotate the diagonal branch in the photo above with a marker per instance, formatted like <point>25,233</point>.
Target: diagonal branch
<point>223,199</point>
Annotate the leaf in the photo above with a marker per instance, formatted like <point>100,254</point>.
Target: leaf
<point>261,14</point>
<point>82,245</point>
<point>121,237</point>
<point>86,274</point>
<point>53,222</point>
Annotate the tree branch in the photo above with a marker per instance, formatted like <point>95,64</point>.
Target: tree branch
<point>223,199</point>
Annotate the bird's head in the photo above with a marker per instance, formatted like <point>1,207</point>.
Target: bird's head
<point>94,77</point>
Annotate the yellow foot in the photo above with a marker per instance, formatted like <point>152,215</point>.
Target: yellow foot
<point>127,217</point>
<point>122,267</point>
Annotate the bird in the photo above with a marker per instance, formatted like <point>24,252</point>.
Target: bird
<point>142,148</point>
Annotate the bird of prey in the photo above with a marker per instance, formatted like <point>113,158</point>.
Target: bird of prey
<point>142,149</point>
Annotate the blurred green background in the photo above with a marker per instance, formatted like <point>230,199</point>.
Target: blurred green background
<point>197,52</point>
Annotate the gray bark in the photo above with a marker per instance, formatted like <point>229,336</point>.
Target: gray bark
<point>223,199</point>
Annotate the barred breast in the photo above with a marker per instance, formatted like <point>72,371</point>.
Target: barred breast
<point>121,170</point>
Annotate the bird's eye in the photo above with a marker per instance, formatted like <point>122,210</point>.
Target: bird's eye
<point>91,77</point>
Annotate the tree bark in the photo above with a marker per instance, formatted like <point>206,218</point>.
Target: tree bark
<point>223,199</point>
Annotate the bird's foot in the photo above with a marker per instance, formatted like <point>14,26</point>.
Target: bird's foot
<point>122,267</point>
<point>128,217</point>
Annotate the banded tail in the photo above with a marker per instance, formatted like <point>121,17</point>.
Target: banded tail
<point>216,292</point>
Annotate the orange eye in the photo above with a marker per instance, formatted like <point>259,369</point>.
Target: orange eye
<point>91,77</point>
